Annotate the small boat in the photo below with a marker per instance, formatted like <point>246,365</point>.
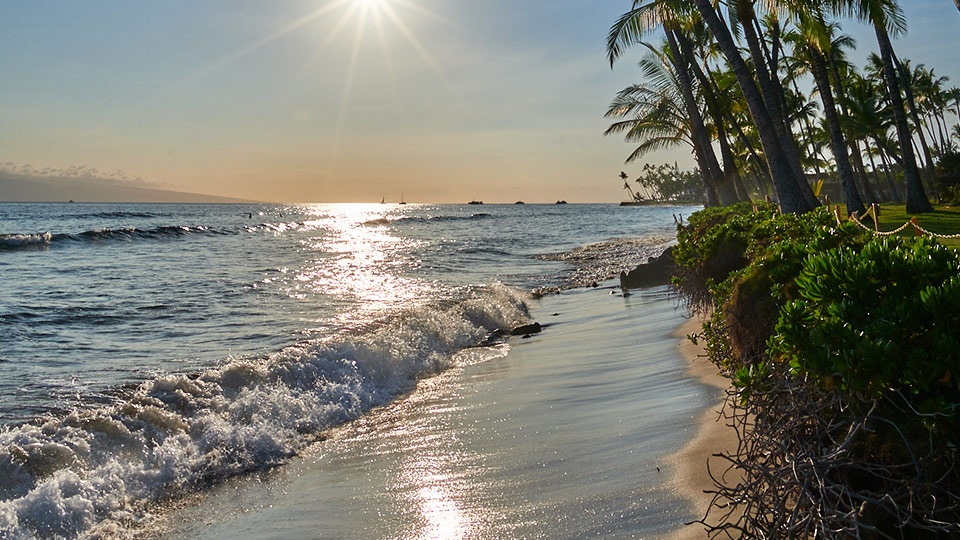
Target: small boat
<point>475,202</point>
<point>401,199</point>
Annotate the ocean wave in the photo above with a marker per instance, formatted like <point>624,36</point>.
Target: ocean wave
<point>482,250</point>
<point>48,239</point>
<point>117,214</point>
<point>92,472</point>
<point>25,240</point>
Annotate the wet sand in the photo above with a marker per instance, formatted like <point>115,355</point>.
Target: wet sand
<point>714,435</point>
<point>573,433</point>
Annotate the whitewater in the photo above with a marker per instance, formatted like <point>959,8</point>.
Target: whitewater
<point>153,353</point>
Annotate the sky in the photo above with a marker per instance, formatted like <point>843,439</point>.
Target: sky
<point>342,100</point>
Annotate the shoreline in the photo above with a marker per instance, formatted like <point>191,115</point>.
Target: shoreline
<point>563,436</point>
<point>689,464</point>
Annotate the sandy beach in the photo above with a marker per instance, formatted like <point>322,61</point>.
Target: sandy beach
<point>714,435</point>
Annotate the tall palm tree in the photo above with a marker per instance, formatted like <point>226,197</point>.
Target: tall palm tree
<point>629,30</point>
<point>657,116</point>
<point>932,100</point>
<point>912,80</point>
<point>812,43</point>
<point>789,181</point>
<point>886,18</point>
<point>869,121</point>
<point>791,186</point>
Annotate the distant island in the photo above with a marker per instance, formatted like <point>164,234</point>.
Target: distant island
<point>34,188</point>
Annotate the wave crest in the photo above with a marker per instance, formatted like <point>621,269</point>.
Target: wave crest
<point>63,476</point>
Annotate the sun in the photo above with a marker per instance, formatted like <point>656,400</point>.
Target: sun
<point>371,4</point>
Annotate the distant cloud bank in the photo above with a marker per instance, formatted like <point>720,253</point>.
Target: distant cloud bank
<point>73,171</point>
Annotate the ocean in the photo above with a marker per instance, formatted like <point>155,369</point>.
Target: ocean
<point>158,359</point>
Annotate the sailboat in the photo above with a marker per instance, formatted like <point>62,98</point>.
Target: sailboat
<point>383,200</point>
<point>401,199</point>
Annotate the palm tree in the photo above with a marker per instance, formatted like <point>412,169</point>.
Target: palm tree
<point>886,17</point>
<point>626,185</point>
<point>953,95</point>
<point>789,182</point>
<point>790,185</point>
<point>812,43</point>
<point>657,117</point>
<point>869,121</point>
<point>912,80</point>
<point>932,101</point>
<point>628,30</point>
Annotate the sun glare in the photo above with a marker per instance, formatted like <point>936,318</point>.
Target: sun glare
<point>371,4</point>
<point>357,21</point>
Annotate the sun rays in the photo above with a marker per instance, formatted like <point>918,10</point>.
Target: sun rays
<point>335,20</point>
<point>334,72</point>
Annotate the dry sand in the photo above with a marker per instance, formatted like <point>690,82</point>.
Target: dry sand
<point>691,477</point>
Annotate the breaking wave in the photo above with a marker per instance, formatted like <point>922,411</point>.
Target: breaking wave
<point>93,471</point>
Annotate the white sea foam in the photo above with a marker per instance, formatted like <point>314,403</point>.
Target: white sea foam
<point>13,241</point>
<point>97,471</point>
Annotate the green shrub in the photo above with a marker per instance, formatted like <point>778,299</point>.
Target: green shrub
<point>844,354</point>
<point>885,317</point>
<point>946,174</point>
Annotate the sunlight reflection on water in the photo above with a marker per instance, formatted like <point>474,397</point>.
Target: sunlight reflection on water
<point>370,265</point>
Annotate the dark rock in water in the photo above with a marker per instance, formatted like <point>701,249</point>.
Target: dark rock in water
<point>533,328</point>
<point>657,271</point>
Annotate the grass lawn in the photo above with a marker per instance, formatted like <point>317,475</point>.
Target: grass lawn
<point>943,220</point>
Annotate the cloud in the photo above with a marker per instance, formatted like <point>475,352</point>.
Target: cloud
<point>78,172</point>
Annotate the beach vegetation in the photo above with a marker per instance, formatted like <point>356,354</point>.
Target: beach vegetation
<point>766,99</point>
<point>843,350</point>
<point>947,177</point>
<point>670,183</point>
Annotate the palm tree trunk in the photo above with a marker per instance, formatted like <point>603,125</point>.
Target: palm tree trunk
<point>772,91</point>
<point>791,187</point>
<point>727,181</point>
<point>861,171</point>
<point>927,170</point>
<point>838,144</point>
<point>709,166</point>
<point>941,128</point>
<point>806,132</point>
<point>917,201</point>
<point>891,182</point>
<point>890,194</point>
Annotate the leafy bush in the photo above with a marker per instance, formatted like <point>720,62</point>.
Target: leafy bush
<point>947,176</point>
<point>880,318</point>
<point>844,354</point>
<point>739,263</point>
